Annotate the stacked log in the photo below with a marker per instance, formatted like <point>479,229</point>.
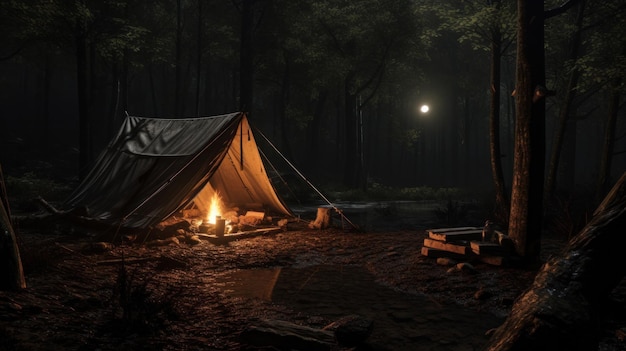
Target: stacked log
<point>467,243</point>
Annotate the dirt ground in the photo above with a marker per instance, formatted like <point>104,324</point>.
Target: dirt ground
<point>200,297</point>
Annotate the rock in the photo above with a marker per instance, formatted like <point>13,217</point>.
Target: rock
<point>98,247</point>
<point>351,330</point>
<point>283,223</point>
<point>193,240</point>
<point>163,242</point>
<point>482,294</point>
<point>466,267</point>
<point>446,261</point>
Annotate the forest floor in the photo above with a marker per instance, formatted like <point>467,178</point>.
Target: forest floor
<point>202,296</point>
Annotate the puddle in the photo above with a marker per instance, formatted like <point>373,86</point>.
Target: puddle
<point>401,321</point>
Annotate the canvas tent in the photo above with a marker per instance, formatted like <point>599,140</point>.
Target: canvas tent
<point>155,167</point>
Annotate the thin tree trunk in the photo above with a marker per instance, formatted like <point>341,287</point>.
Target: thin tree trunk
<point>10,260</point>
<point>84,120</point>
<point>560,309</point>
<point>566,110</point>
<point>526,217</point>
<point>198,57</point>
<point>313,131</point>
<point>179,48</point>
<point>153,93</point>
<point>282,105</point>
<point>604,176</point>
<point>351,176</point>
<point>501,210</point>
<point>245,66</point>
<point>45,125</point>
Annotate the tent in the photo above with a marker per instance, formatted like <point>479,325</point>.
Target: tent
<point>156,167</point>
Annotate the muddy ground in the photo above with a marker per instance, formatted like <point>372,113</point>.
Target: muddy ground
<point>200,297</point>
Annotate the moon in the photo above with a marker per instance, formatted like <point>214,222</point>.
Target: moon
<point>424,108</point>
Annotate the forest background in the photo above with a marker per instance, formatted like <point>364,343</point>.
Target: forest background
<point>336,85</point>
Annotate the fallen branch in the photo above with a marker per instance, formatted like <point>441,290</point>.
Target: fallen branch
<point>126,260</point>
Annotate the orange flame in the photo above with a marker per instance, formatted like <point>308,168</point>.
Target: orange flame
<point>215,209</point>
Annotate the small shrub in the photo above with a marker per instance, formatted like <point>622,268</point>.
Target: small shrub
<point>142,311</point>
<point>25,189</point>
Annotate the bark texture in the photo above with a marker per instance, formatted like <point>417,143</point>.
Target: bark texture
<point>560,309</point>
<point>526,217</point>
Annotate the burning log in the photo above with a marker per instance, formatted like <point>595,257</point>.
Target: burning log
<point>560,309</point>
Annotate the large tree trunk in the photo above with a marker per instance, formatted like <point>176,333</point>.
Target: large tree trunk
<point>526,216</point>
<point>559,310</point>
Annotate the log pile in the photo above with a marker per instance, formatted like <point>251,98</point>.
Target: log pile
<point>468,243</point>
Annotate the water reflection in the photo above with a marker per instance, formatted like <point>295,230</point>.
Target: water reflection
<point>401,321</point>
<point>252,283</point>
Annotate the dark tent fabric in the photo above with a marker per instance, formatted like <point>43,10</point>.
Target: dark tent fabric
<point>155,167</point>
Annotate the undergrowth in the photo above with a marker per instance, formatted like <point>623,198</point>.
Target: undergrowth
<point>379,192</point>
<point>23,190</point>
<point>137,307</point>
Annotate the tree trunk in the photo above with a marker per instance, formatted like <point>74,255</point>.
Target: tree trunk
<point>559,310</point>
<point>282,105</point>
<point>245,66</point>
<point>565,111</point>
<point>198,57</point>
<point>313,132</point>
<point>179,61</point>
<point>525,221</point>
<point>609,142</point>
<point>45,113</point>
<point>153,93</point>
<point>501,210</point>
<point>351,176</point>
<point>84,120</point>
<point>10,260</point>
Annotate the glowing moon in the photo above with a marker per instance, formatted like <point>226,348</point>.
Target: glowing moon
<point>424,108</point>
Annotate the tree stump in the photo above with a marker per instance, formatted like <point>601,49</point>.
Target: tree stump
<point>322,220</point>
<point>560,309</point>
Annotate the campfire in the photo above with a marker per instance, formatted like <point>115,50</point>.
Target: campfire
<point>218,218</point>
<point>215,210</point>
